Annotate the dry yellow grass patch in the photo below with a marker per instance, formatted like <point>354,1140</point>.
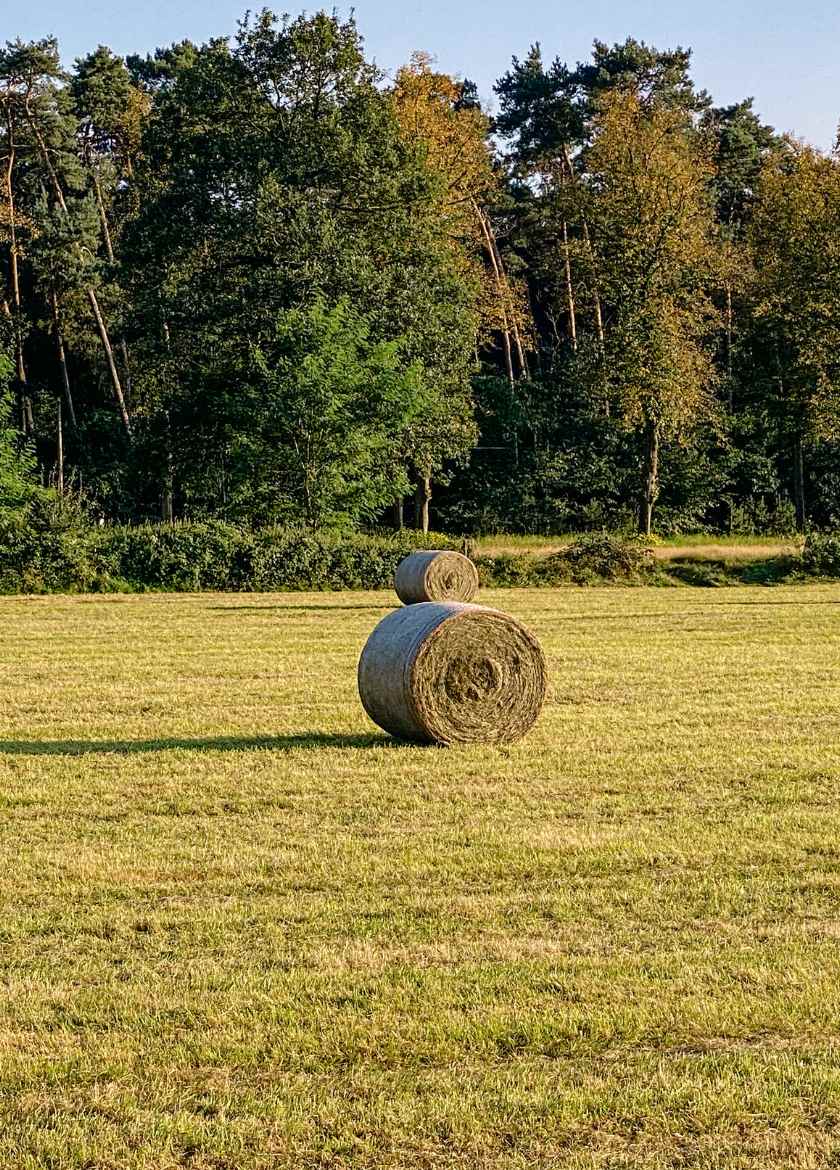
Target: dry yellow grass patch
<point>697,548</point>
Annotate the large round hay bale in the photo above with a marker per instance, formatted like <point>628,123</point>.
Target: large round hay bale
<point>437,575</point>
<point>444,672</point>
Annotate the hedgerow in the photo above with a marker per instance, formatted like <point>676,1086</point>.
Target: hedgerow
<point>50,547</point>
<point>41,553</point>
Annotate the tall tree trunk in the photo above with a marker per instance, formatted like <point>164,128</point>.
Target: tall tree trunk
<point>491,252</point>
<point>593,270</point>
<point>126,371</point>
<point>103,218</point>
<point>596,294</point>
<point>567,173</point>
<point>798,459</point>
<point>27,423</point>
<point>799,484</point>
<point>167,508</point>
<point>109,354</point>
<point>599,317</point>
<point>423,498</point>
<point>514,404</point>
<point>399,514</point>
<point>520,351</point>
<point>168,487</point>
<point>507,350</point>
<point>91,292</point>
<point>62,359</point>
<point>729,384</point>
<point>650,477</point>
<point>112,260</point>
<point>505,287</point>
<point>167,503</point>
<point>570,292</point>
<point>60,446</point>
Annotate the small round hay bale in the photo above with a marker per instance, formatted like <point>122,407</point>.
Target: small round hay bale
<point>437,575</point>
<point>444,672</point>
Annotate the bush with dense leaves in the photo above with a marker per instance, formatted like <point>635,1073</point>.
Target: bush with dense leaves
<point>213,555</point>
<point>273,560</point>
<point>49,547</point>
<point>182,557</point>
<point>45,547</point>
<point>821,555</point>
<point>591,558</point>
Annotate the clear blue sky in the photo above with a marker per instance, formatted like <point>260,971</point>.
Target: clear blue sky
<point>785,53</point>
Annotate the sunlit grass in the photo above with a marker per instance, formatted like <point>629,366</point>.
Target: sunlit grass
<point>243,929</point>
<point>702,546</point>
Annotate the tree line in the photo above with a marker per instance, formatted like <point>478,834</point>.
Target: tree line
<point>257,279</point>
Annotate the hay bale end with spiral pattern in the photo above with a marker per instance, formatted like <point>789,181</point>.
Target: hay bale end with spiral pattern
<point>436,575</point>
<point>446,672</point>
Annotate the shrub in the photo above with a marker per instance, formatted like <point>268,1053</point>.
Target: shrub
<point>181,557</point>
<point>821,555</point>
<point>507,571</point>
<point>589,558</point>
<point>600,556</point>
<point>45,547</point>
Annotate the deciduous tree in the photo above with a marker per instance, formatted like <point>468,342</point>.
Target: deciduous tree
<point>794,238</point>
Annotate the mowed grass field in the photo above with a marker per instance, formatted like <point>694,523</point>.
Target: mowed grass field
<point>242,929</point>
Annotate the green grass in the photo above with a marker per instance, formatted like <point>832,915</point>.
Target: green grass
<point>243,929</point>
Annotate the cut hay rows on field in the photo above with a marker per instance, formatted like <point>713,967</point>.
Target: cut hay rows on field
<point>244,930</point>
